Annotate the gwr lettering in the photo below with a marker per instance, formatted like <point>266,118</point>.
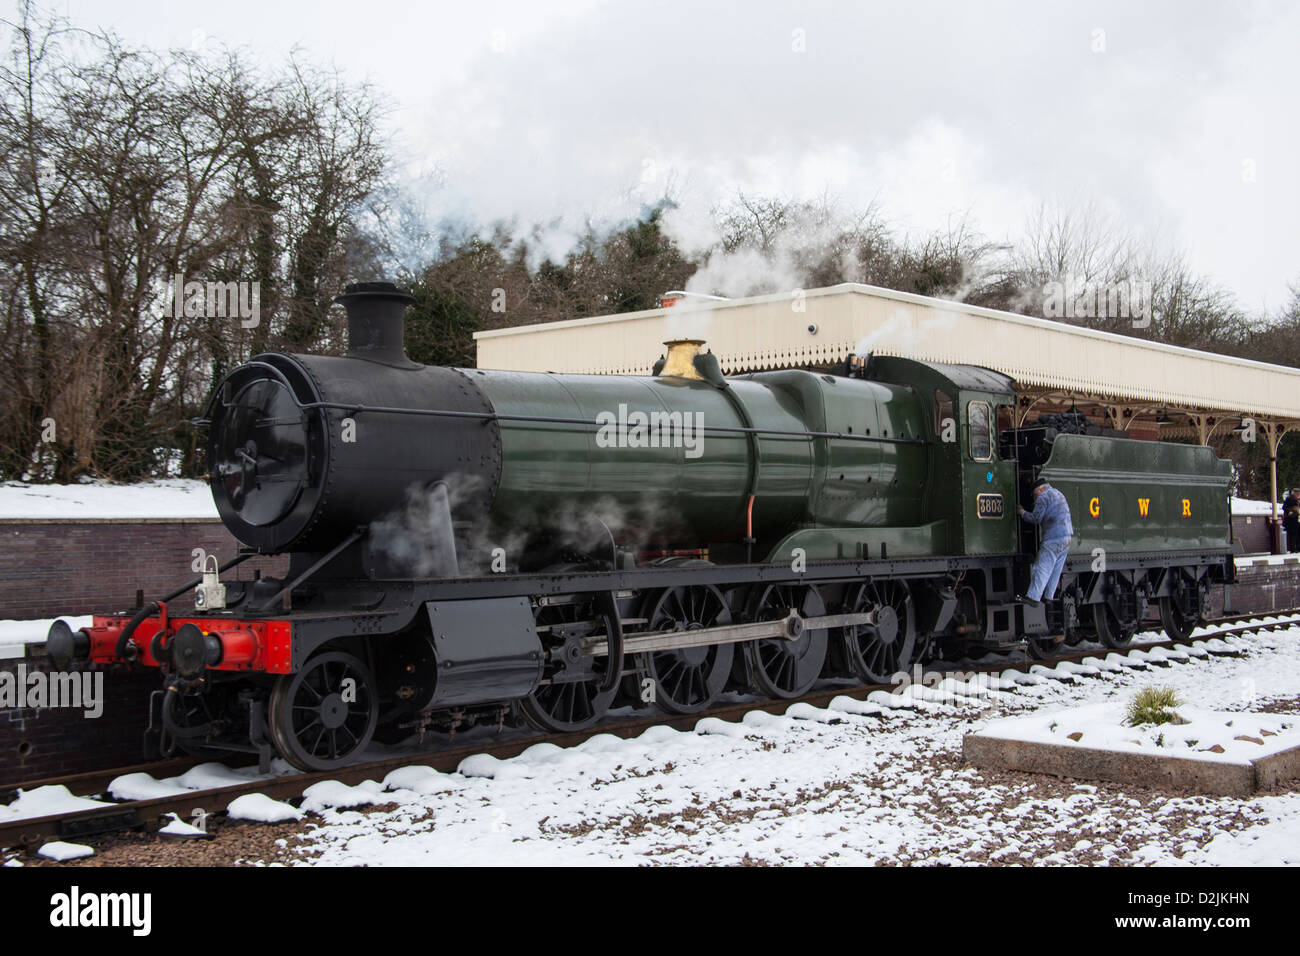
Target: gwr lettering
<point>1144,505</point>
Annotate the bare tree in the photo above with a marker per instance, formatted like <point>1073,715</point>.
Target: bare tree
<point>134,167</point>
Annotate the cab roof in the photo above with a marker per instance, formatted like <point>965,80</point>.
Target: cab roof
<point>904,371</point>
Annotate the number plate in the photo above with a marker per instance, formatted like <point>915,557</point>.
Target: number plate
<point>989,506</point>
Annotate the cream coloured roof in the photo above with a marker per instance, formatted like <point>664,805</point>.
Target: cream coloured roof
<point>771,332</point>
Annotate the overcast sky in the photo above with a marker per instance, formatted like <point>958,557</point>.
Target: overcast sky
<point>1178,117</point>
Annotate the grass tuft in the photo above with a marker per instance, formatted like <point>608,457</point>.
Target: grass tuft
<point>1154,705</point>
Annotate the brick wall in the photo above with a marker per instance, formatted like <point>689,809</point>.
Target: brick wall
<point>1252,532</point>
<point>51,568</point>
<point>48,742</point>
<point>55,567</point>
<point>1265,587</point>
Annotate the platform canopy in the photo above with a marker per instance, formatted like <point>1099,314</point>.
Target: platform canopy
<point>1191,392</point>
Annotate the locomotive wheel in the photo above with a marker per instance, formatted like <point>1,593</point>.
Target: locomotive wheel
<point>576,696</point>
<point>1178,626</point>
<point>1111,631</point>
<point>325,714</point>
<point>875,652</point>
<point>688,679</point>
<point>780,668</point>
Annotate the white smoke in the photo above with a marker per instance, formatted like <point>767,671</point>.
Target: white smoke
<point>416,540</point>
<point>904,334</point>
<point>745,272</point>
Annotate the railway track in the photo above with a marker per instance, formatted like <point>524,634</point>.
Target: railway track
<point>83,824</point>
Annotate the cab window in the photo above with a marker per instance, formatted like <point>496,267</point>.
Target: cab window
<point>978,415</point>
<point>1006,433</point>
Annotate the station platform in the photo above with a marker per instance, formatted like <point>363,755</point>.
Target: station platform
<point>1265,582</point>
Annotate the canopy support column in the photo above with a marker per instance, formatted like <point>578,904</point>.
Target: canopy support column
<point>1273,432</point>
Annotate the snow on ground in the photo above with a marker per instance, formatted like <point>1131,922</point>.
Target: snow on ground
<point>62,852</point>
<point>177,827</point>
<point>1217,736</point>
<point>261,808</point>
<point>206,776</point>
<point>167,498</point>
<point>45,801</point>
<point>852,784</point>
<point>1246,561</point>
<point>1275,841</point>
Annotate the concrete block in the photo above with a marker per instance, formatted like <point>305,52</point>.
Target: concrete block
<point>1166,772</point>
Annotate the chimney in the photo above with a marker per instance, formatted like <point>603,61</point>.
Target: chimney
<point>681,359</point>
<point>376,322</point>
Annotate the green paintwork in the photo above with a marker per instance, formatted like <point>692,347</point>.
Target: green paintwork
<point>833,496</point>
<point>855,482</point>
<point>953,480</point>
<point>1118,472</point>
<point>859,543</point>
<point>552,469</point>
<point>797,482</point>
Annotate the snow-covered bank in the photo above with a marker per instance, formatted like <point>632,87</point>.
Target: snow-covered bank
<point>16,635</point>
<point>1247,506</point>
<point>167,498</point>
<point>13,633</point>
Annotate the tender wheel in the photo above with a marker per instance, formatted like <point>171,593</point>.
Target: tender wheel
<point>324,715</point>
<point>687,680</point>
<point>576,690</point>
<point>780,668</point>
<point>1111,631</point>
<point>1178,625</point>
<point>873,653</point>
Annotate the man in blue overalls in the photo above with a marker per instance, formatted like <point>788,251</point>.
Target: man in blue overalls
<point>1052,514</point>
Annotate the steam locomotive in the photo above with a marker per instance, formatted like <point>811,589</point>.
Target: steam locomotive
<point>470,546</point>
